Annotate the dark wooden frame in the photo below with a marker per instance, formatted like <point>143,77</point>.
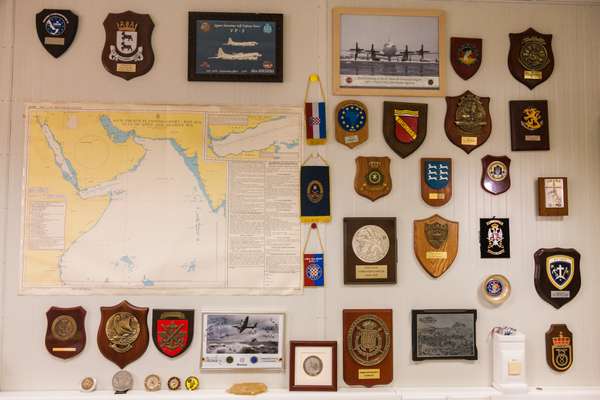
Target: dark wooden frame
<point>313,343</point>
<point>552,212</point>
<point>415,313</point>
<point>276,18</point>
<point>518,134</point>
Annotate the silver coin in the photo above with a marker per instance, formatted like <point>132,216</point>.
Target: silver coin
<point>312,366</point>
<point>122,381</point>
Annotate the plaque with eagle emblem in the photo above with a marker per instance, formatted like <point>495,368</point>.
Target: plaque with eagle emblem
<point>172,331</point>
<point>468,123</point>
<point>65,335</point>
<point>436,244</point>
<point>559,347</point>
<point>529,125</point>
<point>557,275</point>
<point>368,343</point>
<point>530,58</point>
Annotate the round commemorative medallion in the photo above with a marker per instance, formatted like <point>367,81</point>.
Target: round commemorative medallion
<point>88,384</point>
<point>370,243</point>
<point>56,24</point>
<point>121,340</point>
<point>496,289</point>
<point>122,381</point>
<point>174,383</point>
<point>152,383</point>
<point>533,55</point>
<point>369,340</point>
<point>497,171</point>
<point>64,327</point>
<point>192,383</point>
<point>312,365</point>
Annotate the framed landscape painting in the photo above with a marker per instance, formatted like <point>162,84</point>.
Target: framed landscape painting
<point>389,52</point>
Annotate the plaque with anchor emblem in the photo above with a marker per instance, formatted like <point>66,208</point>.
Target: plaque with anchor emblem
<point>557,275</point>
<point>559,347</point>
<point>172,330</point>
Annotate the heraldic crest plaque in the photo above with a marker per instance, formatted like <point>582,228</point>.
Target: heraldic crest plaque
<point>557,275</point>
<point>404,126</point>
<point>436,181</point>
<point>468,122</point>
<point>494,237</point>
<point>529,125</point>
<point>172,331</point>
<point>436,244</point>
<point>56,30</point>
<point>373,179</point>
<point>530,58</point>
<point>495,174</point>
<point>123,333</point>
<point>559,347</point>
<point>466,55</point>
<point>368,342</point>
<point>65,335</point>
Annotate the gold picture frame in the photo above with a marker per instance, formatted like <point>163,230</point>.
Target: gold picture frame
<point>416,66</point>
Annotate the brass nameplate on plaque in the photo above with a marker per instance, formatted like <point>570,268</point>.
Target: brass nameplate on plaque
<point>371,272</point>
<point>533,138</point>
<point>54,41</point>
<point>373,373</point>
<point>532,75</point>
<point>126,67</point>
<point>469,140</point>
<point>436,255</point>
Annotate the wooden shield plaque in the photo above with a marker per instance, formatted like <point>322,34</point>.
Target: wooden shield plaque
<point>495,175</point>
<point>370,250</point>
<point>172,331</point>
<point>56,30</point>
<point>436,244</point>
<point>553,196</point>
<point>352,123</point>
<point>127,49</point>
<point>559,347</point>
<point>466,55</point>
<point>468,122</point>
<point>65,335</point>
<point>530,58</point>
<point>373,179</point>
<point>368,347</point>
<point>529,125</point>
<point>557,275</point>
<point>123,333</point>
<point>436,181</point>
<point>404,126</point>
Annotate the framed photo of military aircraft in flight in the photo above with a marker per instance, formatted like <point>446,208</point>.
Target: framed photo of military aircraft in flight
<point>235,47</point>
<point>389,52</point>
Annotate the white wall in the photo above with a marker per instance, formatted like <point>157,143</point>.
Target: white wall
<point>573,93</point>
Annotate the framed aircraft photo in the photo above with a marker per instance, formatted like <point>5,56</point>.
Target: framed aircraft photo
<point>242,341</point>
<point>389,52</point>
<point>235,47</point>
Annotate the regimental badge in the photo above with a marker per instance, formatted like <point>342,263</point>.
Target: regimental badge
<point>557,275</point>
<point>530,58</point>
<point>559,347</point>
<point>436,181</point>
<point>368,341</point>
<point>465,56</point>
<point>172,331</point>
<point>123,333</point>
<point>494,237</point>
<point>496,289</point>
<point>65,334</point>
<point>56,30</point>
<point>128,47</point>
<point>468,122</point>
<point>352,125</point>
<point>529,125</point>
<point>495,176</point>
<point>404,126</point>
<point>373,179</point>
<point>436,244</point>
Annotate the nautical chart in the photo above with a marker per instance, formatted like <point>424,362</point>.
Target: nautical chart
<point>172,199</point>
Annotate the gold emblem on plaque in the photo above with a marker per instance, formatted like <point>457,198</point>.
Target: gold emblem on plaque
<point>368,340</point>
<point>436,234</point>
<point>532,119</point>
<point>533,55</point>
<point>470,114</point>
<point>64,328</point>
<point>122,330</point>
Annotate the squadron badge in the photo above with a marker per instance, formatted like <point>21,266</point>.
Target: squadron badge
<point>436,244</point>
<point>56,30</point>
<point>172,331</point>
<point>65,335</point>
<point>530,58</point>
<point>128,50</point>
<point>559,347</point>
<point>494,238</point>
<point>352,126</point>
<point>436,181</point>
<point>495,176</point>
<point>529,125</point>
<point>373,179</point>
<point>468,122</point>
<point>465,56</point>
<point>557,275</point>
<point>404,126</point>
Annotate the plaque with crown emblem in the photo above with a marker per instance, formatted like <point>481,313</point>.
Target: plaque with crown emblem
<point>559,347</point>
<point>368,347</point>
<point>373,179</point>
<point>495,174</point>
<point>530,58</point>
<point>404,126</point>
<point>65,335</point>
<point>436,244</point>
<point>172,331</point>
<point>465,55</point>
<point>468,122</point>
<point>529,125</point>
<point>557,275</point>
<point>128,50</point>
<point>436,181</point>
<point>352,124</point>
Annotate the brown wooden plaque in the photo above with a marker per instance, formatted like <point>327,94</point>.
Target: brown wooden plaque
<point>529,125</point>
<point>495,174</point>
<point>466,55</point>
<point>370,250</point>
<point>559,347</point>
<point>436,181</point>
<point>404,126</point>
<point>123,333</point>
<point>530,58</point>
<point>468,122</point>
<point>351,123</point>
<point>553,196</point>
<point>373,179</point>
<point>65,335</point>
<point>368,347</point>
<point>557,275</point>
<point>436,244</point>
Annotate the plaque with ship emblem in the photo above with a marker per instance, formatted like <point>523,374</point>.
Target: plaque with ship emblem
<point>495,174</point>
<point>466,55</point>
<point>56,30</point>
<point>530,58</point>
<point>404,126</point>
<point>65,335</point>
<point>436,181</point>
<point>123,333</point>
<point>370,250</point>
<point>557,275</point>
<point>436,244</point>
<point>368,343</point>
<point>468,121</point>
<point>352,123</point>
<point>529,125</point>
<point>172,331</point>
<point>553,196</point>
<point>373,179</point>
<point>559,347</point>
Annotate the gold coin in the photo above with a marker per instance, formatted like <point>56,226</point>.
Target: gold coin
<point>191,383</point>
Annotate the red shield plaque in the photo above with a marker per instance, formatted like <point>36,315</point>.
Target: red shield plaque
<point>465,56</point>
<point>172,331</point>
<point>530,58</point>
<point>65,335</point>
<point>495,175</point>
<point>404,126</point>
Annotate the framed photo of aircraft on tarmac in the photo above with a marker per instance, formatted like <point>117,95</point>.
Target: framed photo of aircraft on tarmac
<point>235,47</point>
<point>389,52</point>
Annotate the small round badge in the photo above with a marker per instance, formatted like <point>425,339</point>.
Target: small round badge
<point>152,383</point>
<point>192,383</point>
<point>174,383</point>
<point>496,289</point>
<point>88,384</point>
<point>122,381</point>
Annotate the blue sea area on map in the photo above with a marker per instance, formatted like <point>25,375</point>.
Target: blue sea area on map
<point>116,135</point>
